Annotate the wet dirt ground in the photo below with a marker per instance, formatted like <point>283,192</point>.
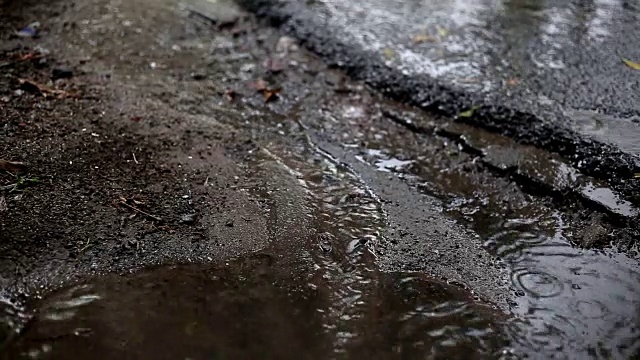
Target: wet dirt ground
<point>204,188</point>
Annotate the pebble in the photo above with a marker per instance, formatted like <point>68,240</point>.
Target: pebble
<point>188,218</point>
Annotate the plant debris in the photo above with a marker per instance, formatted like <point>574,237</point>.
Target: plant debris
<point>17,58</point>
<point>468,113</point>
<point>388,53</point>
<point>269,94</point>
<point>631,64</point>
<point>12,166</point>
<point>35,87</point>
<point>133,205</point>
<point>3,204</point>
<point>422,38</point>
<point>21,183</point>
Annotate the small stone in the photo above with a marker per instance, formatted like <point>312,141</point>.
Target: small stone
<point>188,218</point>
<point>247,67</point>
<point>286,45</point>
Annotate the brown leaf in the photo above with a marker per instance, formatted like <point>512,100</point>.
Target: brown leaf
<point>12,166</point>
<point>271,94</point>
<point>512,82</point>
<point>35,87</point>
<point>422,38</point>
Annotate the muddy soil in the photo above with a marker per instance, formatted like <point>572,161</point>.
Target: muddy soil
<point>117,177</point>
<point>201,174</point>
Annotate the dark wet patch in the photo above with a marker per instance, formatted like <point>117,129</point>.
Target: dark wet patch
<point>254,307</point>
<point>516,119</point>
<point>334,191</point>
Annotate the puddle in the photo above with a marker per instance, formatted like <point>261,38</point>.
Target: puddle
<point>566,300</point>
<point>316,297</point>
<point>249,308</point>
<point>569,300</point>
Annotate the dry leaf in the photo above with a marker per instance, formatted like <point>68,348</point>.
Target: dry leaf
<point>421,38</point>
<point>443,32</point>
<point>32,86</point>
<point>389,53</point>
<point>631,64</point>
<point>3,204</point>
<point>270,94</point>
<point>512,82</point>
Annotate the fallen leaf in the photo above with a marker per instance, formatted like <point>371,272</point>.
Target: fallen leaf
<point>270,94</point>
<point>389,53</point>
<point>422,38</point>
<point>636,175</point>
<point>468,113</point>
<point>631,64</point>
<point>32,86</point>
<point>12,166</point>
<point>3,204</point>
<point>512,82</point>
<point>443,32</point>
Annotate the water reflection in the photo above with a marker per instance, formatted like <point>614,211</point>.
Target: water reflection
<point>252,308</point>
<point>568,300</point>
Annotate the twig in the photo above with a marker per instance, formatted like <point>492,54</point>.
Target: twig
<point>12,166</point>
<point>206,182</point>
<point>134,158</point>
<point>123,202</point>
<point>9,187</point>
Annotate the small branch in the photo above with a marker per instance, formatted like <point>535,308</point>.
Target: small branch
<point>156,218</point>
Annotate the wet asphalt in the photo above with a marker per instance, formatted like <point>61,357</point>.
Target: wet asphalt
<point>546,73</point>
<point>331,222</point>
